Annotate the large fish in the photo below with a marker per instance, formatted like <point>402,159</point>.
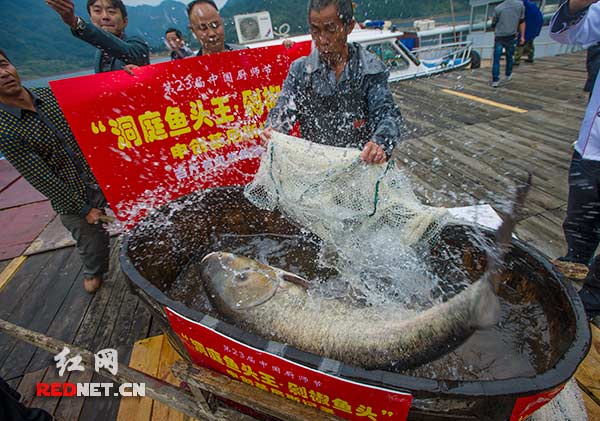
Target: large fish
<point>275,304</point>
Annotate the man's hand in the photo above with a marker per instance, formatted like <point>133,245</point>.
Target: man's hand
<point>129,69</point>
<point>522,41</point>
<point>66,10</point>
<point>265,136</point>
<point>372,153</point>
<point>577,5</point>
<point>93,216</point>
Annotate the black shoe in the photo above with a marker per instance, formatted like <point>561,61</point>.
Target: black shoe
<point>529,60</point>
<point>595,321</point>
<point>572,259</point>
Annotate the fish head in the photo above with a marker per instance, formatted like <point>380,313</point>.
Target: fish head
<point>236,283</point>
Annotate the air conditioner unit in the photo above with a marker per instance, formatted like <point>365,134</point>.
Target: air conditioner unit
<point>253,27</point>
<point>424,24</point>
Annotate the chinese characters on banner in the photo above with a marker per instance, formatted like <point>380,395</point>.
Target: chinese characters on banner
<point>175,127</point>
<point>281,377</point>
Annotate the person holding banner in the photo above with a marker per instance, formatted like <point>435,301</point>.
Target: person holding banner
<point>36,139</point>
<point>107,33</point>
<point>339,94</point>
<point>207,26</point>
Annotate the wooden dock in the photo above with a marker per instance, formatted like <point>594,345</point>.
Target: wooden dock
<point>466,144</point>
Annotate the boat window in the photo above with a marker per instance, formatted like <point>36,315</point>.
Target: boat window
<point>429,40</point>
<point>390,56</point>
<point>550,6</point>
<point>450,37</point>
<point>479,17</point>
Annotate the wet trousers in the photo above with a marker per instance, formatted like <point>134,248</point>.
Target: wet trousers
<point>582,224</point>
<point>93,240</point>
<point>526,49</point>
<point>590,293</point>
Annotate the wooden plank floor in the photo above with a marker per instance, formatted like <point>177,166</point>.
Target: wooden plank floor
<point>459,151</point>
<point>153,356</point>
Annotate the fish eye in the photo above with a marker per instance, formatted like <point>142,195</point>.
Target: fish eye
<point>241,277</point>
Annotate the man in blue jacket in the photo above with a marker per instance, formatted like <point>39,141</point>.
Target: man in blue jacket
<point>578,22</point>
<point>107,33</point>
<point>534,19</point>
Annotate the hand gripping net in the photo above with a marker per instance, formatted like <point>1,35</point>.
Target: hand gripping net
<point>330,192</point>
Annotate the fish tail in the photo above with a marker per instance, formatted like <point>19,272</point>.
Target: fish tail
<point>504,234</point>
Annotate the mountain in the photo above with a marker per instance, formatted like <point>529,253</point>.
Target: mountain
<point>39,43</point>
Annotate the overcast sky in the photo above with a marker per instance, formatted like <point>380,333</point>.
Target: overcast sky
<point>155,2</point>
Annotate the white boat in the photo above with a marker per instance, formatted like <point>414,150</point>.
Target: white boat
<point>478,31</point>
<point>401,62</point>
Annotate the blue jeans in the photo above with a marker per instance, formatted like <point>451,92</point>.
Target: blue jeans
<point>499,45</point>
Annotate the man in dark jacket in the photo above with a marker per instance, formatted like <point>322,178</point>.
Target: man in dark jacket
<point>534,20</point>
<point>339,94</point>
<point>107,33</point>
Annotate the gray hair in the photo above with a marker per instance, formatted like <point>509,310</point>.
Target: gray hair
<point>343,7</point>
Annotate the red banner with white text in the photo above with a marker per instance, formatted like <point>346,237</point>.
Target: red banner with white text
<point>281,377</point>
<point>175,127</point>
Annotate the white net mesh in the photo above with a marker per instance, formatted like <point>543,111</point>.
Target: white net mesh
<point>333,194</point>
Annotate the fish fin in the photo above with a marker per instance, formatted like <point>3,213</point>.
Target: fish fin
<point>294,279</point>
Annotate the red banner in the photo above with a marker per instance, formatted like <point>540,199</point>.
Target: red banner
<point>527,405</point>
<point>281,377</point>
<point>175,127</point>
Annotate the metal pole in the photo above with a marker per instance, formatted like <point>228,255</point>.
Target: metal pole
<point>453,20</point>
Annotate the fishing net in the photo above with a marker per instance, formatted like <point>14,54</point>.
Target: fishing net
<point>347,203</point>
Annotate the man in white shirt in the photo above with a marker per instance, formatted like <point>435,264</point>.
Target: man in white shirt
<point>578,22</point>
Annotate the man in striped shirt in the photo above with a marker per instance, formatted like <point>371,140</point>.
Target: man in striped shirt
<point>36,140</point>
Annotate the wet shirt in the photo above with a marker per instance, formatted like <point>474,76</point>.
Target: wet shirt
<point>348,112</point>
<point>33,142</point>
<point>113,52</point>
<point>507,16</point>
<point>582,29</point>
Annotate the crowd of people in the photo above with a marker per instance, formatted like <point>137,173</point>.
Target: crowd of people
<point>350,84</point>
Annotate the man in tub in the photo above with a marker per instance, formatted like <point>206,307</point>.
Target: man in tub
<point>339,94</point>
